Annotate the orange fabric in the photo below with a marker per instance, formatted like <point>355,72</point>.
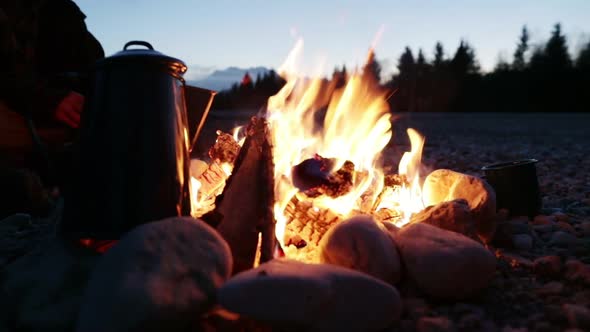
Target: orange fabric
<point>15,139</point>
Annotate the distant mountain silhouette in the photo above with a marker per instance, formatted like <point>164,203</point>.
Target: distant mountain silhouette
<point>223,79</point>
<point>196,72</point>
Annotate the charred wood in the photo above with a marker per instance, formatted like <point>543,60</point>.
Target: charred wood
<point>245,208</point>
<point>316,177</point>
<point>225,149</point>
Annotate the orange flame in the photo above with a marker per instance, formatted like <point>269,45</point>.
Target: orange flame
<point>356,127</point>
<point>312,116</point>
<point>408,198</point>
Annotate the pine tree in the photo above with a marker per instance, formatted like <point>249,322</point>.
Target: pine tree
<point>538,58</point>
<point>556,52</point>
<point>372,67</point>
<point>439,55</point>
<point>406,81</point>
<point>519,62</point>
<point>421,61</point>
<point>583,60</point>
<point>422,67</point>
<point>406,64</point>
<point>464,61</point>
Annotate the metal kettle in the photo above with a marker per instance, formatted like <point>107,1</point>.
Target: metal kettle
<point>134,145</point>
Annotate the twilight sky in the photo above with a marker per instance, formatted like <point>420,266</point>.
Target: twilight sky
<point>222,33</point>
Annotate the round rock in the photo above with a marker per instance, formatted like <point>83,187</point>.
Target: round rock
<point>361,244</point>
<point>17,220</point>
<point>563,239</point>
<point>445,185</point>
<point>453,216</point>
<point>312,297</point>
<point>522,242</point>
<point>161,276</point>
<point>43,290</point>
<point>445,264</point>
<point>548,266</point>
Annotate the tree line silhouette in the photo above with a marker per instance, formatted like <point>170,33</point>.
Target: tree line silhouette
<point>543,78</point>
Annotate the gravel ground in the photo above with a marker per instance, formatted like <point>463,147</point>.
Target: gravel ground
<point>528,293</point>
<point>542,281</point>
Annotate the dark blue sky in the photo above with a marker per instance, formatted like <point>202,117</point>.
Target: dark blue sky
<point>221,33</point>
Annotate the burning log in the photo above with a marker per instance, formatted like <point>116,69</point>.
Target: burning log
<point>391,183</point>
<point>225,149</point>
<point>315,177</point>
<point>245,208</point>
<point>211,180</point>
<point>306,226</point>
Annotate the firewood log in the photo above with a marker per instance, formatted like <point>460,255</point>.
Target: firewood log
<point>211,180</point>
<point>245,208</point>
<point>225,149</point>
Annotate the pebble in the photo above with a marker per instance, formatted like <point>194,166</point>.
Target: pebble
<point>522,242</point>
<point>434,324</point>
<point>415,307</point>
<point>519,227</point>
<point>544,228</point>
<point>560,216</point>
<point>585,229</point>
<point>548,266</point>
<point>161,276</point>
<point>564,226</point>
<point>577,315</point>
<point>312,297</point>
<point>542,220</point>
<point>515,260</point>
<point>563,239</point>
<point>550,288</point>
<point>17,220</point>
<point>577,271</point>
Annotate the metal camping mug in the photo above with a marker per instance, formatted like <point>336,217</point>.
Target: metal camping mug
<point>516,186</point>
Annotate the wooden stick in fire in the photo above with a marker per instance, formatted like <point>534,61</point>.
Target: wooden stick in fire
<point>245,208</point>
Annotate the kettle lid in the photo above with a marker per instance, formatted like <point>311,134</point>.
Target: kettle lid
<point>147,57</point>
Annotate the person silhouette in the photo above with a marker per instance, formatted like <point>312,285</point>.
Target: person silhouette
<point>46,55</point>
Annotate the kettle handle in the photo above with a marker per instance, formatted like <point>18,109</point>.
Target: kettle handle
<point>138,42</point>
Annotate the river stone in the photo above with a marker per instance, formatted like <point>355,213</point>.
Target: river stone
<point>577,315</point>
<point>43,290</point>
<point>361,244</point>
<point>548,266</point>
<point>435,324</point>
<point>563,239</point>
<point>445,185</point>
<point>312,297</point>
<point>445,264</point>
<point>523,242</point>
<point>16,221</point>
<point>161,276</point>
<point>453,216</point>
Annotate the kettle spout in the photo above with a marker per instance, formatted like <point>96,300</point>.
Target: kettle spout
<point>198,103</point>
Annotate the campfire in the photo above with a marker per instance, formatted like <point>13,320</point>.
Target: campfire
<point>327,142</point>
<point>322,140</point>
